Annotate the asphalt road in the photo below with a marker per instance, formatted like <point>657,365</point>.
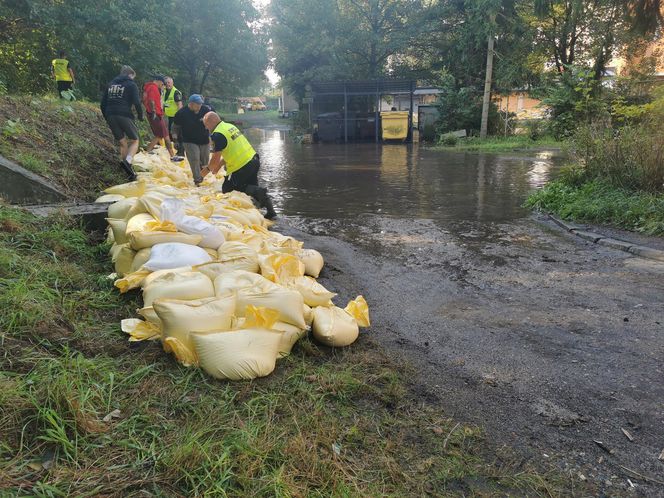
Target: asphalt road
<point>553,344</point>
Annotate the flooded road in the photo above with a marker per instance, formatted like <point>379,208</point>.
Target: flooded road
<point>342,181</point>
<point>549,342</point>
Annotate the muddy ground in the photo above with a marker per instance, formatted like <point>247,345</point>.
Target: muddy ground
<point>553,344</point>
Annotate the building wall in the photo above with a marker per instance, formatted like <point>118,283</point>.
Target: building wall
<point>521,104</point>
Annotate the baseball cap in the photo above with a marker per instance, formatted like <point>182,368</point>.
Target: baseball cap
<point>196,99</point>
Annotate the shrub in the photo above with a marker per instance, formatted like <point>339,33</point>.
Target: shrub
<point>448,140</point>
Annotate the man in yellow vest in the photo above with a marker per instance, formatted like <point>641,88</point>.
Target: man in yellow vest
<point>172,104</point>
<point>63,73</point>
<point>233,151</point>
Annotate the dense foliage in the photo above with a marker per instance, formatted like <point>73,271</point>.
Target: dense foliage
<point>210,46</point>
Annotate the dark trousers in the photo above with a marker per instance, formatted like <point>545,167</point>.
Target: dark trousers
<point>63,86</point>
<point>247,175</point>
<point>179,144</point>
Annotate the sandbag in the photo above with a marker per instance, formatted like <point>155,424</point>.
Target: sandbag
<point>119,229</point>
<point>175,255</point>
<point>139,223</point>
<point>289,303</point>
<point>120,208</point>
<point>308,314</point>
<point>140,259</point>
<point>314,294</point>
<point>150,316</point>
<point>180,318</point>
<point>233,281</point>
<point>185,286</point>
<point>333,326</point>
<point>313,261</point>
<point>123,260</point>
<point>131,189</point>
<point>238,354</point>
<point>160,273</point>
<point>174,210</point>
<point>109,198</point>
<point>131,280</point>
<point>141,240</point>
<point>280,267</point>
<point>291,334</point>
<point>359,309</point>
<point>139,330</point>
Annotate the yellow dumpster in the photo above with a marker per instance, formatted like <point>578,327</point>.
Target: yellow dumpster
<point>395,125</point>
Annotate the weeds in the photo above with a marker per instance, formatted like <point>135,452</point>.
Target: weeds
<point>327,422</point>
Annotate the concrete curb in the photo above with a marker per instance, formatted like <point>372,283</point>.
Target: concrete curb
<point>621,245</point>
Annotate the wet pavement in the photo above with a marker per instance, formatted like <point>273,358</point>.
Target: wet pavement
<point>555,345</point>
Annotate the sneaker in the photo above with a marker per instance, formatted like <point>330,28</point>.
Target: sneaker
<point>128,169</point>
<point>270,215</point>
<point>177,159</point>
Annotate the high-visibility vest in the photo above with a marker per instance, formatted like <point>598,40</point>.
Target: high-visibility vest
<point>170,105</point>
<point>60,70</point>
<point>238,151</point>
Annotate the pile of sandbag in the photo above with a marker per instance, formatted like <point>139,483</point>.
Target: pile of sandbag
<point>220,290</point>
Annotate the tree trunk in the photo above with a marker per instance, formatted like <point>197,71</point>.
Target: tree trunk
<point>487,88</point>
<point>204,77</point>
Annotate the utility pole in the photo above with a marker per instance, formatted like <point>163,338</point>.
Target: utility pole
<point>487,83</point>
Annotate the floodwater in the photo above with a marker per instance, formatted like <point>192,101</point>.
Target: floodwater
<point>342,181</point>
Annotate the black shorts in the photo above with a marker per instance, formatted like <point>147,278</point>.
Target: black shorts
<point>63,85</point>
<point>122,126</point>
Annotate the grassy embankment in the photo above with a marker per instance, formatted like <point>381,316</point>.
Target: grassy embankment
<point>327,422</point>
<point>499,144</point>
<point>68,143</point>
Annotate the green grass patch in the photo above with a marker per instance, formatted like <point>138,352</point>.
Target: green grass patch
<point>33,163</point>
<point>326,423</point>
<point>598,201</point>
<point>498,144</point>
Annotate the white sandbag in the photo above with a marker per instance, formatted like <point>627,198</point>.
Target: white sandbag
<point>119,229</point>
<point>140,258</point>
<point>238,354</point>
<point>175,255</point>
<point>109,198</point>
<point>180,318</point>
<point>313,261</point>
<point>233,281</point>
<point>141,240</point>
<point>314,294</point>
<point>288,303</point>
<point>185,286</point>
<point>174,210</point>
<point>334,327</point>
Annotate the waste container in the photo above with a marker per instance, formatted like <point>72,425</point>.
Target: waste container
<point>329,127</point>
<point>394,125</point>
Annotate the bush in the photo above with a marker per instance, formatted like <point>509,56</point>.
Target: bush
<point>449,140</point>
<point>461,109</point>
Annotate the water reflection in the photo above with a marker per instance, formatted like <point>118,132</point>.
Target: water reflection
<point>344,180</point>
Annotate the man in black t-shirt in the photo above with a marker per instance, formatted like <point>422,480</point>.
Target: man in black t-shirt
<point>195,137</point>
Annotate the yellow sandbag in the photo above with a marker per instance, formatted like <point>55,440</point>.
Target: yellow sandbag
<point>291,334</point>
<point>183,354</point>
<point>152,203</point>
<point>289,303</point>
<point>131,281</point>
<point>119,229</point>
<point>120,208</point>
<point>137,208</point>
<point>150,316</point>
<point>237,199</point>
<point>139,223</point>
<point>113,251</point>
<point>314,294</point>
<point>110,238</point>
<point>258,317</point>
<point>123,260</point>
<point>161,226</point>
<point>234,214</point>
<point>141,240</point>
<point>212,252</point>
<point>185,286</point>
<point>313,262</point>
<point>233,281</point>
<point>139,330</point>
<point>334,327</point>
<point>280,267</point>
<point>359,309</point>
<point>308,314</point>
<point>238,354</point>
<point>140,259</point>
<point>159,273</point>
<point>109,198</point>
<point>180,318</point>
<point>131,189</point>
<point>231,250</point>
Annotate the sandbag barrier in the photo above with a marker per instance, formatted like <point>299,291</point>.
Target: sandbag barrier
<point>220,290</point>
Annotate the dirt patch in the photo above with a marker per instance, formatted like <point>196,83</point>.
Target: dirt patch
<point>67,143</point>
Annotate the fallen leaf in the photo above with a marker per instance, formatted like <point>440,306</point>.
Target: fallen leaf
<point>114,414</point>
<point>36,466</point>
<point>437,430</point>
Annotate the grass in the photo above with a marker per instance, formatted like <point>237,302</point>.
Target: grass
<point>327,422</point>
<point>33,163</point>
<point>597,201</point>
<point>500,144</point>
